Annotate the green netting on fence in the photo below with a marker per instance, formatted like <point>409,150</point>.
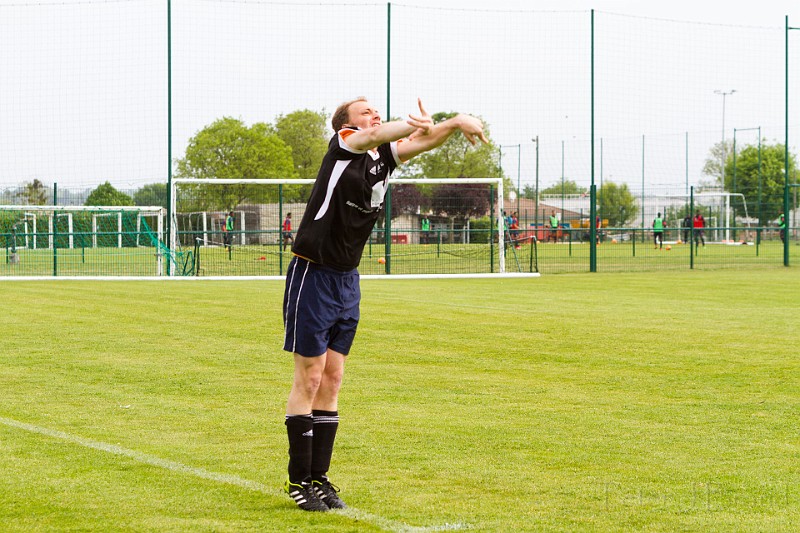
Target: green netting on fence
<point>642,109</point>
<point>61,241</point>
<point>437,228</point>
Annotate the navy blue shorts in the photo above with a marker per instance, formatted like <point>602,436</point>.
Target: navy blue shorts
<point>320,309</point>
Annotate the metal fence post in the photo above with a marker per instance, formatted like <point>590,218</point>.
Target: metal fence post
<point>692,239</point>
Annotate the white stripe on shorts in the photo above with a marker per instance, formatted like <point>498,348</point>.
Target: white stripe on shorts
<point>297,305</point>
<point>291,282</point>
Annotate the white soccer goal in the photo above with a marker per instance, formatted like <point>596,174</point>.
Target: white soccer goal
<point>193,198</point>
<point>715,207</point>
<point>30,214</point>
<point>209,224</point>
<point>83,227</point>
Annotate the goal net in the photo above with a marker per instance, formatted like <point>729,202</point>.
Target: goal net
<point>727,220</point>
<point>83,240</point>
<point>727,216</point>
<point>437,227</point>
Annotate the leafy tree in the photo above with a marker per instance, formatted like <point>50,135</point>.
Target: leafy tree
<point>306,133</point>
<point>33,193</point>
<point>455,158</point>
<point>151,195</point>
<point>465,201</point>
<point>771,182</point>
<point>568,187</point>
<point>406,199</point>
<point>227,148</point>
<point>713,165</point>
<point>106,194</point>
<point>616,204</point>
<point>529,192</point>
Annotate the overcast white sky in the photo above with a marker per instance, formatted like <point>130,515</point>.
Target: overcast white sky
<point>83,99</point>
<point>762,13</point>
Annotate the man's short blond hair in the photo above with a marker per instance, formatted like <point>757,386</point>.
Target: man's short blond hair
<point>342,114</point>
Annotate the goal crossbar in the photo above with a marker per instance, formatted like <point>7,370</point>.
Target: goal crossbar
<point>150,210</point>
<point>497,182</point>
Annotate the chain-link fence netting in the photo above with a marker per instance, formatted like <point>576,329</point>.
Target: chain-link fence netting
<point>103,103</point>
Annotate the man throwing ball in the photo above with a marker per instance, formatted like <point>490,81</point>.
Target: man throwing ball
<point>322,296</point>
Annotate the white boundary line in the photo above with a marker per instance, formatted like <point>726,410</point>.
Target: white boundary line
<point>356,514</point>
<point>265,278</point>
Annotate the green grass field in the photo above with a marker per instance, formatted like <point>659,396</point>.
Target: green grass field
<point>662,401</point>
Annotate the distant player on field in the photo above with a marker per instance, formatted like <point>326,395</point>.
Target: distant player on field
<point>553,226</point>
<point>686,225</point>
<point>287,231</point>
<point>227,231</point>
<point>698,223</point>
<point>425,225</point>
<point>658,231</point>
<point>322,296</point>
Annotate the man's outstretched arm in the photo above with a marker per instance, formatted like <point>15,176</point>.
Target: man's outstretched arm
<point>372,137</point>
<point>471,127</point>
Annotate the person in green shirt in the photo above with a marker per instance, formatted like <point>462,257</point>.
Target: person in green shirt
<point>553,226</point>
<point>227,231</point>
<point>782,226</point>
<point>425,225</point>
<point>658,232</point>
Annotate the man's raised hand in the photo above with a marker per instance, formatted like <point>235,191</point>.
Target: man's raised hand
<point>471,127</point>
<point>423,122</point>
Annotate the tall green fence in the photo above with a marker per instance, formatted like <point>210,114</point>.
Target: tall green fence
<point>590,114</point>
<point>80,241</point>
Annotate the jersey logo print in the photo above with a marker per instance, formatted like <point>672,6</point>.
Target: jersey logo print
<point>378,168</point>
<point>338,169</point>
<point>378,192</point>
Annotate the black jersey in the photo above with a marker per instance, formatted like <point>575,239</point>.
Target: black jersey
<point>345,202</point>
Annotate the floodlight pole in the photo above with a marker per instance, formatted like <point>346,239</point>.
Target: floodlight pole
<point>733,188</point>
<point>722,168</point>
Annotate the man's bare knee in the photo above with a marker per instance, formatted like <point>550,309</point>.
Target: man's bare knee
<point>309,385</point>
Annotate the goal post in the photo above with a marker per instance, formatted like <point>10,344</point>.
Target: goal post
<point>464,226</point>
<point>84,240</point>
<point>715,206</point>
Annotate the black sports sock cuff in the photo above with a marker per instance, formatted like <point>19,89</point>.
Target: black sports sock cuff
<point>299,416</point>
<point>299,420</point>
<point>326,417</point>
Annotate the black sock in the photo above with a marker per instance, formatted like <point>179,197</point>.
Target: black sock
<point>325,425</point>
<point>300,429</point>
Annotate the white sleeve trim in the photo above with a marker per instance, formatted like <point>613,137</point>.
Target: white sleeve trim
<point>397,159</point>
<point>344,146</point>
